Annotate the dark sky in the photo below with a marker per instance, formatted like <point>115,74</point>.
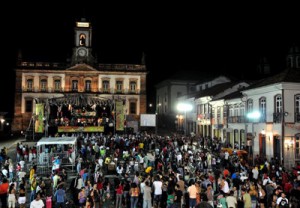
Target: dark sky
<point>206,39</point>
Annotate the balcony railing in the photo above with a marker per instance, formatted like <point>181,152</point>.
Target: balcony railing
<point>297,117</point>
<point>277,117</point>
<point>236,119</point>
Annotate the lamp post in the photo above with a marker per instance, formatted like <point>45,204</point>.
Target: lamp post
<point>253,116</point>
<point>185,107</point>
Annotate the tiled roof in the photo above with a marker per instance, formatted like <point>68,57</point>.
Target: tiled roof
<point>212,91</point>
<point>288,75</point>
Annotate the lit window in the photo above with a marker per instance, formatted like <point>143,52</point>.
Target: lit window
<point>119,86</point>
<point>57,85</point>
<point>75,85</point>
<point>43,85</point>
<point>133,87</point>
<point>105,85</point>
<point>88,85</point>
<point>29,84</point>
<point>82,39</point>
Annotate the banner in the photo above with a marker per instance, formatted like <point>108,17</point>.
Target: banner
<point>119,116</point>
<point>62,129</point>
<point>39,119</point>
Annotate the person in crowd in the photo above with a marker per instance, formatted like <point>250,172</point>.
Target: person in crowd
<point>37,202</point>
<point>12,198</point>
<point>134,194</point>
<point>22,194</point>
<point>60,197</point>
<point>147,195</point>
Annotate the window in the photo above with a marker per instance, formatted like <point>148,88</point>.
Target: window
<point>236,110</point>
<point>28,106</point>
<point>75,85</point>
<point>262,108</point>
<point>250,106</point>
<point>132,107</point>
<point>119,86</point>
<point>88,85</point>
<point>297,148</point>
<point>132,86</point>
<point>278,104</point>
<point>242,109</point>
<point>82,39</point>
<point>29,84</point>
<point>105,85</point>
<point>218,112</point>
<point>225,109</point>
<point>43,85</point>
<point>297,104</point>
<point>57,85</point>
<point>206,86</point>
<point>213,112</point>
<point>231,111</point>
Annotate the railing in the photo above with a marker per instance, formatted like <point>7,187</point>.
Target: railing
<point>236,119</point>
<point>277,117</point>
<point>297,117</point>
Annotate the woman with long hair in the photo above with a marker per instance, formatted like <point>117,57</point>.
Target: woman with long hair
<point>12,199</point>
<point>134,195</point>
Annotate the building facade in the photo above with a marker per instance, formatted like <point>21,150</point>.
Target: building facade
<point>82,92</point>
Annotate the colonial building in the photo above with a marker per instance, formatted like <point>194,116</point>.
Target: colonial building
<point>80,94</point>
<point>262,117</point>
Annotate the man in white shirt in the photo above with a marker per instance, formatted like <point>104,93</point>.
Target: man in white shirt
<point>37,203</point>
<point>157,186</point>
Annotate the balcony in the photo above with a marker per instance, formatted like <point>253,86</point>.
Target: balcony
<point>277,117</point>
<point>297,117</point>
<point>236,119</point>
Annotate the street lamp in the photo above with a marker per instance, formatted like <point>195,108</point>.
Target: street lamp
<point>184,107</point>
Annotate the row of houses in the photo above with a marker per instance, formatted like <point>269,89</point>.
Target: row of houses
<point>262,116</point>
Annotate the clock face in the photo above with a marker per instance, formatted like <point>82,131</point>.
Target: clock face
<point>82,52</point>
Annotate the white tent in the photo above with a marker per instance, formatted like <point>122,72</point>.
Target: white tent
<point>57,140</point>
<point>50,147</point>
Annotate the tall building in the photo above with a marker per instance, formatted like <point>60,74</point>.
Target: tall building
<point>80,96</point>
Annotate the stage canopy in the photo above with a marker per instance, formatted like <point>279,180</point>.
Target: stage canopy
<point>56,140</point>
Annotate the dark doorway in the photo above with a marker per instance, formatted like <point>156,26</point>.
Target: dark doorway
<point>276,147</point>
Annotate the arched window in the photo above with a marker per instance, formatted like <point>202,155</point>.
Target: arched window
<point>133,86</point>
<point>88,84</point>
<point>57,85</point>
<point>262,108</point>
<point>29,84</point>
<point>278,104</point>
<point>119,86</point>
<point>297,108</point>
<point>242,109</point>
<point>250,106</point>
<point>105,86</point>
<point>82,38</point>
<point>75,85</point>
<point>43,85</point>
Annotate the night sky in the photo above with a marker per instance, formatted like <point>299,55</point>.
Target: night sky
<point>205,39</point>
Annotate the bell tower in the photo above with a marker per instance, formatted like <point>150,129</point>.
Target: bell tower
<point>82,52</point>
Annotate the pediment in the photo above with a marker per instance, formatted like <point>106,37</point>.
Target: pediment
<point>81,67</point>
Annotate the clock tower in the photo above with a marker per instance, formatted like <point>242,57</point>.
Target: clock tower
<point>82,52</point>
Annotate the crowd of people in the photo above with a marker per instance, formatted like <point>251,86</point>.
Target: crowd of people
<point>146,170</point>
